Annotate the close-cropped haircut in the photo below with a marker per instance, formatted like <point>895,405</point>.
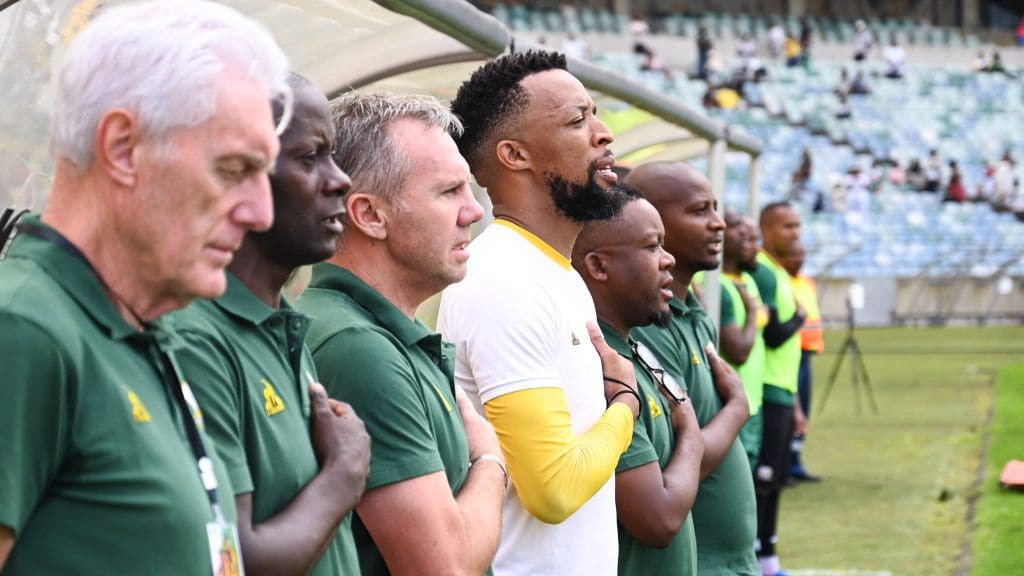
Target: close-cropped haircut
<point>493,99</point>
<point>769,210</point>
<point>364,146</point>
<point>164,62</point>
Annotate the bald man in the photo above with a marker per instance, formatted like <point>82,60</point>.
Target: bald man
<point>724,514</point>
<point>781,414</point>
<point>626,268</point>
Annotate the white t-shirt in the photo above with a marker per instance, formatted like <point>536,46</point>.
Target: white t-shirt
<point>518,321</point>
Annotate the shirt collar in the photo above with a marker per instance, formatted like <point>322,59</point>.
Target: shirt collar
<point>77,278</point>
<point>238,300</point>
<point>618,342</point>
<point>331,277</point>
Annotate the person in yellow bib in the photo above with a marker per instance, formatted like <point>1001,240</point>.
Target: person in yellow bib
<point>781,414</point>
<point>743,318</point>
<point>812,341</point>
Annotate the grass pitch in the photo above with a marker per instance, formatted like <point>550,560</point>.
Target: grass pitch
<point>900,485</point>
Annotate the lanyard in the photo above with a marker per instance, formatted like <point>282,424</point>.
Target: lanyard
<point>170,374</point>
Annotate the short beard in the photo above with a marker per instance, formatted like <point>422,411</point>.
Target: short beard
<point>585,202</point>
<point>661,319</point>
<point>748,267</point>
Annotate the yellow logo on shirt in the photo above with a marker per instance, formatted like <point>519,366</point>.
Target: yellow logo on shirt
<point>447,404</point>
<point>696,358</point>
<point>139,412</point>
<point>274,403</point>
<point>655,408</point>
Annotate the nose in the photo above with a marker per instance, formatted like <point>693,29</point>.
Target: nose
<point>255,211</point>
<point>602,135</point>
<point>336,181</point>
<point>717,223</point>
<point>668,261</point>
<point>472,211</point>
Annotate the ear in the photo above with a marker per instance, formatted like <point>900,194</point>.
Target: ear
<point>596,265</point>
<point>117,145</point>
<point>512,155</point>
<point>365,214</point>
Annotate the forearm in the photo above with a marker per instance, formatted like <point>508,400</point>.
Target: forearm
<point>720,433</point>
<point>776,333</point>
<point>737,343</point>
<point>294,540</point>
<point>6,544</point>
<point>682,476</point>
<point>554,471</point>
<point>479,504</point>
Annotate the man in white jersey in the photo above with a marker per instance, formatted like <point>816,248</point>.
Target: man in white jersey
<point>522,318</point>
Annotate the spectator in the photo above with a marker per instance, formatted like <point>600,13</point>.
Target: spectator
<point>292,490</point>
<point>980,62</point>
<point>747,50</point>
<point>776,39</point>
<point>933,172</point>
<point>437,476</point>
<point>860,86</point>
<point>802,175</point>
<point>575,47</point>
<point>955,191</point>
<point>996,66</point>
<point>521,317</point>
<point>915,175</point>
<point>782,416</point>
<point>806,33</point>
<point>724,512</point>
<point>162,155</point>
<point>793,52</point>
<point>703,51</point>
<point>626,269</point>
<point>843,110</point>
<point>863,41</point>
<point>858,195</point>
<point>843,86</point>
<point>895,58</point>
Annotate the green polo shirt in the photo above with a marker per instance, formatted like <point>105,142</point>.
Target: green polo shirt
<point>249,368</point>
<point>398,375</point>
<point>653,441</point>
<point>724,513</point>
<point>97,475</point>
<point>782,364</point>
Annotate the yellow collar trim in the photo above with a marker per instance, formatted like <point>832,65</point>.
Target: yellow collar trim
<point>541,245</point>
<point>734,277</point>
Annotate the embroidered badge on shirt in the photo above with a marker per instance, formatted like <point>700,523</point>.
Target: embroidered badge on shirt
<point>575,339</point>
<point>696,359</point>
<point>655,408</point>
<point>274,403</point>
<point>139,412</point>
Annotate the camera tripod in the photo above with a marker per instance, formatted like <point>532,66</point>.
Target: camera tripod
<point>858,370</point>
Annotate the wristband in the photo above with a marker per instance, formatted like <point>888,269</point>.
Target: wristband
<point>628,390</point>
<point>496,460</point>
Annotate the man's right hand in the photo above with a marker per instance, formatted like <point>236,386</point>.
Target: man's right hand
<point>727,382</point>
<point>618,372</point>
<point>340,441</point>
<point>479,433</point>
<point>749,304</point>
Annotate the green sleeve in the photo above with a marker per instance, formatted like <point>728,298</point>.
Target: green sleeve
<point>727,315</point>
<point>36,405</point>
<point>640,450</point>
<point>765,281</point>
<point>212,371</point>
<point>372,372</point>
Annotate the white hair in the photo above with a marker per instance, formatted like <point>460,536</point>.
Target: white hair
<point>162,60</point>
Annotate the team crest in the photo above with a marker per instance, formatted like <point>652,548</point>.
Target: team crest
<point>655,408</point>
<point>139,412</point>
<point>274,403</point>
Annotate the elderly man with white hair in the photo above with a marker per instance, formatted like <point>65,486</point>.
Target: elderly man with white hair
<point>163,137</point>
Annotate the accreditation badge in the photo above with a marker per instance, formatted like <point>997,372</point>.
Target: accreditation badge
<point>225,555</point>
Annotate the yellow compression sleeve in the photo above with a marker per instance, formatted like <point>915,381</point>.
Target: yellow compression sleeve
<point>555,471</point>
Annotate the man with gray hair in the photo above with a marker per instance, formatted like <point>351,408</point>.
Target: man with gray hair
<point>163,138</point>
<point>437,476</point>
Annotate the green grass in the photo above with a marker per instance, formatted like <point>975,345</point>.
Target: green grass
<point>1000,519</point>
<point>898,484</point>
